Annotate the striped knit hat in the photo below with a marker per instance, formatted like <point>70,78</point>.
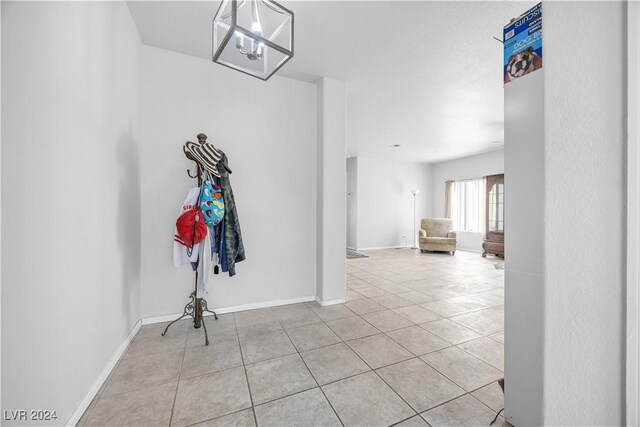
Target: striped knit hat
<point>205,154</point>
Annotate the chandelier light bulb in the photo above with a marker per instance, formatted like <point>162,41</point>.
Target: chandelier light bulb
<point>239,41</point>
<point>255,51</point>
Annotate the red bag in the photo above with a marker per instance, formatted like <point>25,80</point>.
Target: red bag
<point>191,227</point>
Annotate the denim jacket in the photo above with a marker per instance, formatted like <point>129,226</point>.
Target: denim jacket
<point>231,223</point>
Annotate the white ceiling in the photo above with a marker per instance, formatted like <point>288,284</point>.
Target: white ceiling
<point>425,75</point>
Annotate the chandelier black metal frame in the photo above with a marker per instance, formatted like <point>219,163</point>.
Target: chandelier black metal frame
<point>247,49</point>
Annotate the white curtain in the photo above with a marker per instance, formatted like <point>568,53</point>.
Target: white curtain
<point>448,198</point>
<point>467,205</point>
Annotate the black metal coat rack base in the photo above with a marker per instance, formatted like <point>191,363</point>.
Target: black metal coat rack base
<point>195,309</point>
<point>197,306</point>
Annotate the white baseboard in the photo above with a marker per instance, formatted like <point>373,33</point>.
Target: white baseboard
<point>330,301</point>
<point>402,247</point>
<point>383,247</point>
<point>233,309</point>
<point>80,410</point>
<point>468,250</point>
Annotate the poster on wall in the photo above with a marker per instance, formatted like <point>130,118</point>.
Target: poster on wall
<point>522,38</point>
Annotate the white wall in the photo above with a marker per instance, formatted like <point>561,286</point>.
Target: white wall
<point>70,198</point>
<point>381,222</point>
<point>331,188</point>
<point>564,282</point>
<point>385,204</point>
<point>0,207</point>
<point>465,168</point>
<point>268,131</point>
<point>524,246</point>
<point>584,253</point>
<point>633,218</point>
<point>352,202</point>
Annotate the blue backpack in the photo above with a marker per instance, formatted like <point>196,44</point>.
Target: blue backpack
<point>211,201</point>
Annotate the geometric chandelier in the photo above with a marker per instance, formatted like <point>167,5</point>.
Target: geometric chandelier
<point>253,36</point>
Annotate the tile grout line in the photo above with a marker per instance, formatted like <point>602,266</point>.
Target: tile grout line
<point>416,357</point>
<point>382,379</point>
<point>87,414</point>
<point>373,370</point>
<point>479,358</point>
<point>115,368</point>
<point>461,342</point>
<point>414,270</point>
<point>244,367</point>
<point>466,393</point>
<point>451,380</point>
<point>351,376</point>
<point>140,388</point>
<point>482,335</point>
<point>175,396</point>
<point>217,418</point>
<point>490,408</point>
<point>463,389</point>
<point>395,363</point>
<point>421,304</point>
<point>311,374</point>
<point>362,373</point>
<point>419,357</point>
<point>226,369</point>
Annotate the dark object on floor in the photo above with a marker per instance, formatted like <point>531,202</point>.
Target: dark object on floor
<point>497,415</point>
<point>501,384</point>
<point>353,254</point>
<point>495,248</point>
<point>424,251</point>
<point>499,266</point>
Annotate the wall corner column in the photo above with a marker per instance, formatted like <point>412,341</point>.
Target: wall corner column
<point>331,190</point>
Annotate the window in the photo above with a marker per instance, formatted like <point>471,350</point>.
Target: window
<point>465,204</point>
<point>496,207</point>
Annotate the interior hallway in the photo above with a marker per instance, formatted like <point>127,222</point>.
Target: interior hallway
<point>420,340</point>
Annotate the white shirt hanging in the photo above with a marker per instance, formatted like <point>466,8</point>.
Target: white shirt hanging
<point>204,267</point>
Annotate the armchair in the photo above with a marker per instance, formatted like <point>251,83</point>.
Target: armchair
<point>436,234</point>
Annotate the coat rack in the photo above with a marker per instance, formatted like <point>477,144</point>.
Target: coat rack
<point>197,306</point>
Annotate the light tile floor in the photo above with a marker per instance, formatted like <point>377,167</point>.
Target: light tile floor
<point>418,342</point>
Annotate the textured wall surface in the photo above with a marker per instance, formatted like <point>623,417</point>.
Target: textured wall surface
<point>564,276</point>
<point>70,198</point>
<point>584,212</point>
